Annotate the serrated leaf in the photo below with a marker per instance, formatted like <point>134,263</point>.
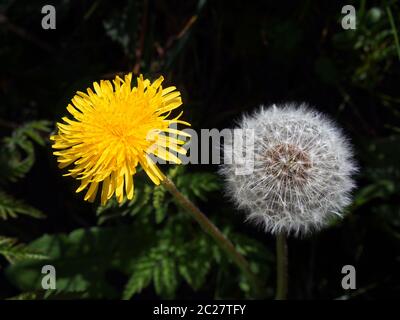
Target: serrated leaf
<point>12,208</point>
<point>14,252</point>
<point>82,259</point>
<point>17,153</point>
<point>141,277</point>
<point>159,204</point>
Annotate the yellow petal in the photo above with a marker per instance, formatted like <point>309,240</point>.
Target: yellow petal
<point>91,193</point>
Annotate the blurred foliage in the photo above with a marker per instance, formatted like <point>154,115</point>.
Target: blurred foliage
<point>226,59</point>
<point>151,249</point>
<point>15,165</point>
<point>14,252</point>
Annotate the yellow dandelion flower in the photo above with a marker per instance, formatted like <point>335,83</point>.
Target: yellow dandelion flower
<point>114,129</point>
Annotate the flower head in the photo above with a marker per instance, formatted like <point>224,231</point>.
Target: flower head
<point>114,129</point>
<point>302,170</point>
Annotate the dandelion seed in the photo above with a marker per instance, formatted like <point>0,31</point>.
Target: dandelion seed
<point>116,128</point>
<point>302,175</point>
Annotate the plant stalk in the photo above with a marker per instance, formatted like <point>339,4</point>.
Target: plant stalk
<point>281,267</point>
<point>214,232</point>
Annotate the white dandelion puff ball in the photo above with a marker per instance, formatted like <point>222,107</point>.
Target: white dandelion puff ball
<point>301,174</point>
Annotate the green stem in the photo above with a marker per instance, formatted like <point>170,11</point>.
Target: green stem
<point>394,30</point>
<point>214,232</point>
<point>281,267</point>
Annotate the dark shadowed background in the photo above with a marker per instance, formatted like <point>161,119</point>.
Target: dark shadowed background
<point>227,58</point>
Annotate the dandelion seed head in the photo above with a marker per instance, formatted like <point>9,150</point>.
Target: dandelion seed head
<point>302,170</point>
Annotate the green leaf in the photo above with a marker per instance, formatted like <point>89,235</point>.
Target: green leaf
<point>380,189</point>
<point>14,252</point>
<point>157,266</point>
<point>159,203</point>
<point>141,277</point>
<point>194,261</point>
<point>198,184</point>
<point>82,259</point>
<point>49,295</point>
<point>11,208</point>
<point>17,155</point>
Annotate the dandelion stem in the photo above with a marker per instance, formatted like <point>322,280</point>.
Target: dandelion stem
<point>281,267</point>
<point>214,232</point>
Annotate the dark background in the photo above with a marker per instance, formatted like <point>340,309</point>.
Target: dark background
<point>227,58</point>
